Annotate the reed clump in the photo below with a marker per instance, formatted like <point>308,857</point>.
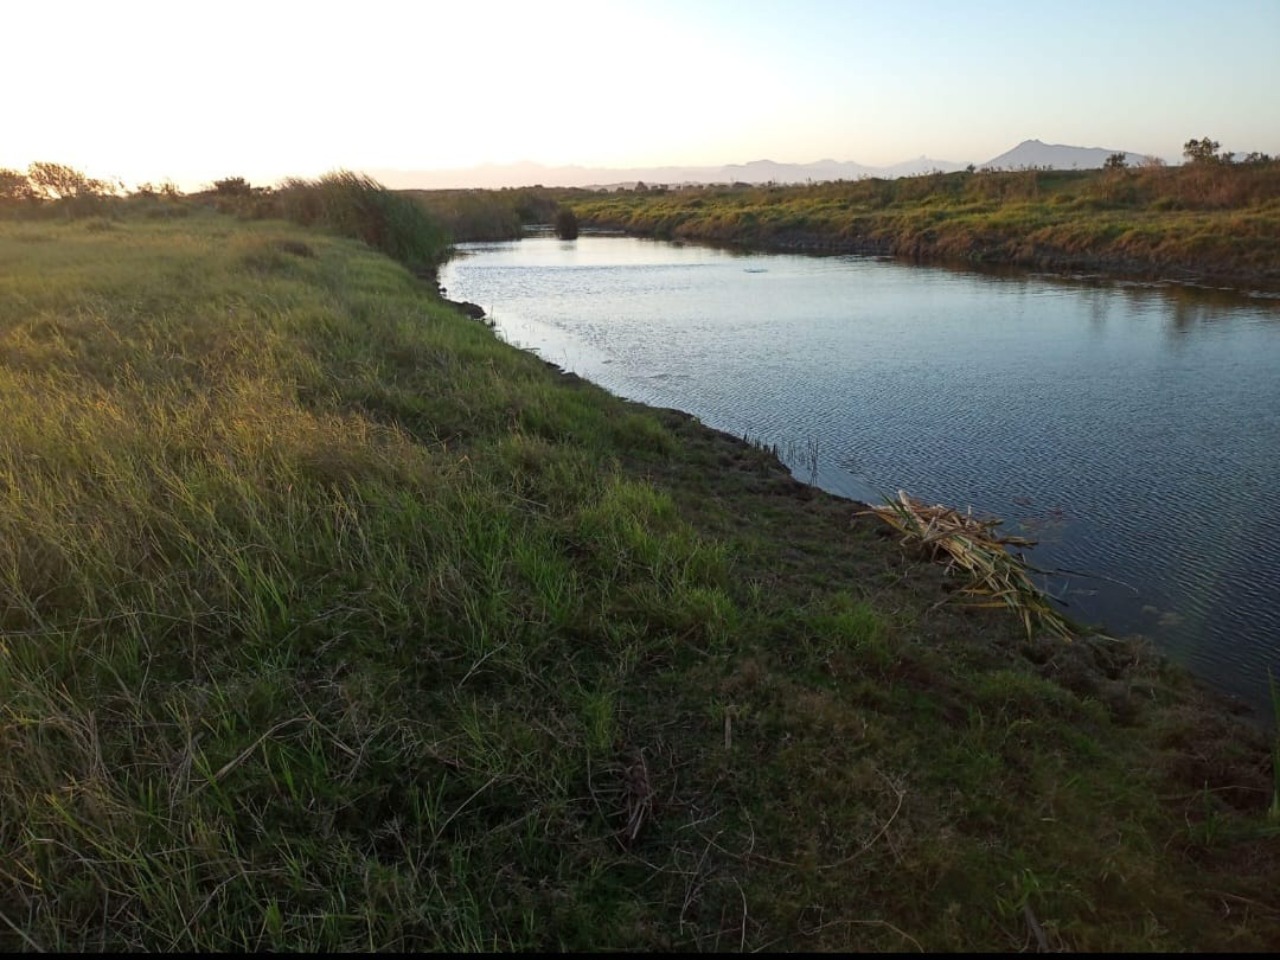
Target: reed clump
<point>996,577</point>
<point>355,205</point>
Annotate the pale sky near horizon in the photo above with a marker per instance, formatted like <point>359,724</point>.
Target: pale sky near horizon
<point>144,89</point>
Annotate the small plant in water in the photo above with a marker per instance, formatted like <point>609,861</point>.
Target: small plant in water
<point>802,455</point>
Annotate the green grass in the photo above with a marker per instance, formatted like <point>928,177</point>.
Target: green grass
<point>329,622</point>
<point>1219,220</point>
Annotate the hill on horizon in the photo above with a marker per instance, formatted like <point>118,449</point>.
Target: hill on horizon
<point>1029,153</point>
<point>1058,156</point>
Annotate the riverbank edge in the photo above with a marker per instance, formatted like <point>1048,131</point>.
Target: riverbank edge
<point>1211,741</point>
<point>977,253</point>
<point>1228,704</point>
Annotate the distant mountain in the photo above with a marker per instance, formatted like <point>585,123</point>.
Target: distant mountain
<point>766,171</point>
<point>1033,153</point>
<point>921,164</point>
<point>1029,153</point>
<point>492,176</point>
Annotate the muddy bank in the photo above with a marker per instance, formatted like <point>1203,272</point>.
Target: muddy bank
<point>431,275</point>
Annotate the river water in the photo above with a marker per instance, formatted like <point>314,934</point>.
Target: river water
<point>1132,428</point>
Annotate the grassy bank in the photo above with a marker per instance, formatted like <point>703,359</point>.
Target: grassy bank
<point>1202,220</point>
<point>327,621</point>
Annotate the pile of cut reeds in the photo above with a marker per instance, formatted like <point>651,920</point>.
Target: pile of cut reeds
<point>971,545</point>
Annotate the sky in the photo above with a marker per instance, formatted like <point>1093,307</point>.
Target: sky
<point>193,91</point>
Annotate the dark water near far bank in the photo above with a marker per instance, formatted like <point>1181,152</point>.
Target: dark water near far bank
<point>1134,429</point>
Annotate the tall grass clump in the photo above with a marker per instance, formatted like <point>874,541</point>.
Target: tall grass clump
<point>356,205</point>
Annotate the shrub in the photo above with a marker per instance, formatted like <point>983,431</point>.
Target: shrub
<point>56,181</point>
<point>232,187</point>
<point>566,224</point>
<point>13,186</point>
<point>1201,151</point>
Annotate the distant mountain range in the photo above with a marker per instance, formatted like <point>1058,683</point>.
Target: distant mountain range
<point>1029,153</point>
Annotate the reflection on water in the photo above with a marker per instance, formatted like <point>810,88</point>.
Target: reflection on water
<point>1134,428</point>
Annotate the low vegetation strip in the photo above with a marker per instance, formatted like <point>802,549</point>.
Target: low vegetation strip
<point>328,621</point>
<point>1209,219</point>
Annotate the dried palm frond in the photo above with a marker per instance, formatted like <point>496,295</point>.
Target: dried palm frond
<point>972,546</point>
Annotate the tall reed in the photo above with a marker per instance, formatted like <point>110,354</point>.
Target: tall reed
<point>355,205</point>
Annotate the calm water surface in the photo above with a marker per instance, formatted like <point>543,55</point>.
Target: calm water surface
<point>1134,429</point>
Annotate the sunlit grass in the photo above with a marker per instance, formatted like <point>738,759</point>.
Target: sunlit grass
<point>247,584</point>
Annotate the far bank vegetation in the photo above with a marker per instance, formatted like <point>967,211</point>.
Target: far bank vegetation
<point>1217,214</point>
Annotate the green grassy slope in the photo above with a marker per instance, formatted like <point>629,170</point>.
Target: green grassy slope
<point>327,621</point>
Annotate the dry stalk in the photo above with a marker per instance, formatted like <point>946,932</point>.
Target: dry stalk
<point>972,546</point>
<point>638,796</point>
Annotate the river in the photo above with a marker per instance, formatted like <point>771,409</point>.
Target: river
<point>1132,428</point>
